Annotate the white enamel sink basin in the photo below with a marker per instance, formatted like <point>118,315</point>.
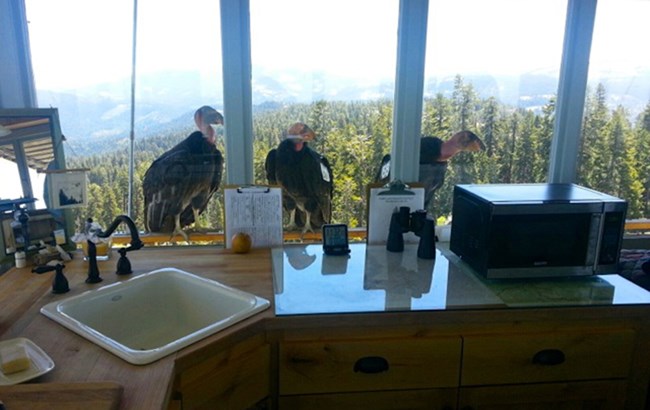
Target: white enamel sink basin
<point>152,315</point>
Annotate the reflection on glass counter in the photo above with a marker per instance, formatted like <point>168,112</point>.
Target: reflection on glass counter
<point>371,279</point>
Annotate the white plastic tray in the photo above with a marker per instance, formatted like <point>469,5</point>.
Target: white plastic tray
<point>41,363</point>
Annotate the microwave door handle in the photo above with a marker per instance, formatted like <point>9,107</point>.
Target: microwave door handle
<point>595,239</point>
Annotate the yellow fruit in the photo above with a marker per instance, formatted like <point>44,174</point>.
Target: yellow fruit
<point>241,242</point>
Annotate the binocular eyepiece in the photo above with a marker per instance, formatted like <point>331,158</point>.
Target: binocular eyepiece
<point>411,221</point>
<point>404,221</point>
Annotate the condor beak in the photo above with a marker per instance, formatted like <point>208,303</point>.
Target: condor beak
<point>469,141</point>
<point>301,131</point>
<point>308,135</point>
<point>476,145</point>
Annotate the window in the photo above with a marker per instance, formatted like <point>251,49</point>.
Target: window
<point>615,146</point>
<point>12,189</point>
<point>178,70</point>
<point>493,68</point>
<point>82,63</point>
<point>331,65</point>
<point>81,57</point>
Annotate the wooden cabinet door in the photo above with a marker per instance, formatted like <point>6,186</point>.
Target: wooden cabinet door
<point>234,379</point>
<point>599,395</point>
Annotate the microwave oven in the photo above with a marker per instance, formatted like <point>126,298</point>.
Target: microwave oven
<point>536,230</point>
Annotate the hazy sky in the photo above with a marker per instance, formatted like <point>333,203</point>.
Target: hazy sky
<point>354,38</point>
<point>345,37</point>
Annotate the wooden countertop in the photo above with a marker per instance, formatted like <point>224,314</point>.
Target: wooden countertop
<point>23,293</point>
<point>62,396</point>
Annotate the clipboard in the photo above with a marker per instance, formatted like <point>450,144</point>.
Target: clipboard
<point>255,210</point>
<point>383,200</point>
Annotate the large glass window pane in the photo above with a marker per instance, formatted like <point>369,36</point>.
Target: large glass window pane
<point>615,144</point>
<point>492,67</point>
<point>331,65</point>
<point>12,188</point>
<point>82,58</point>
<point>178,71</point>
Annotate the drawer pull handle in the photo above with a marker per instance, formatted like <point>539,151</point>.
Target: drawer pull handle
<point>371,364</point>
<point>549,357</point>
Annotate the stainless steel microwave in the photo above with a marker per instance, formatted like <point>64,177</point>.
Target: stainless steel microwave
<point>536,230</point>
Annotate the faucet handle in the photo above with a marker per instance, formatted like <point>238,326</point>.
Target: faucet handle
<point>43,269</point>
<point>60,283</point>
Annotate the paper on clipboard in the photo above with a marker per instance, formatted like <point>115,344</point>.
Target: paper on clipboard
<point>382,202</point>
<point>255,210</point>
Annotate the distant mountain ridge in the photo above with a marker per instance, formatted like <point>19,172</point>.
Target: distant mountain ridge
<point>97,119</point>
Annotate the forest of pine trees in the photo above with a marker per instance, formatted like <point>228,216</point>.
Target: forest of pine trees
<point>615,151</point>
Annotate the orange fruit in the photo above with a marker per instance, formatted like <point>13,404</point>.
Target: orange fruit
<point>241,242</point>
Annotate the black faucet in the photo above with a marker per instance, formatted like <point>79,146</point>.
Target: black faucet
<point>123,264</point>
<point>93,268</point>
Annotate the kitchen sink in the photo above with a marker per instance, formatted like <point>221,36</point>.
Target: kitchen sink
<point>152,315</point>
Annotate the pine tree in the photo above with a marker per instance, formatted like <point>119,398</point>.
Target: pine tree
<point>614,154</point>
<point>642,134</point>
<point>437,116</point>
<point>595,152</point>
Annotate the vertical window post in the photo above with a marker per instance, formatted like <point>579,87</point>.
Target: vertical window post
<point>16,76</point>
<point>132,126</point>
<point>409,85</point>
<point>237,94</point>
<point>571,90</point>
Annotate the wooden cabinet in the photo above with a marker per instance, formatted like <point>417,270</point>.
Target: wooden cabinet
<point>546,357</point>
<point>601,395</point>
<point>559,370</point>
<point>543,365</point>
<point>396,373</point>
<point>442,362</point>
<point>428,399</point>
<point>234,378</point>
<point>368,365</point>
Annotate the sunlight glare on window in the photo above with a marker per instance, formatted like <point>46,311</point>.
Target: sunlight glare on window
<point>615,145</point>
<point>492,67</point>
<point>330,64</point>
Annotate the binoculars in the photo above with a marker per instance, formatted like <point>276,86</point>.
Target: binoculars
<point>404,221</point>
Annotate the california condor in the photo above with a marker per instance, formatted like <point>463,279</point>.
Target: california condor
<point>305,177</point>
<point>434,154</point>
<point>179,184</point>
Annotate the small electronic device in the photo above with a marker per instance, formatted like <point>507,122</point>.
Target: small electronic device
<point>335,239</point>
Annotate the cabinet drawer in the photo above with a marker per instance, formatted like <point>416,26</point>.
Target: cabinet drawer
<point>502,359</point>
<point>343,366</point>
<point>378,400</point>
<point>601,395</point>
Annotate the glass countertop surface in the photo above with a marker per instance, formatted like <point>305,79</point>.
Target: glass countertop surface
<point>371,279</point>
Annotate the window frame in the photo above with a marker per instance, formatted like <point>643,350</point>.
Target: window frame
<point>235,24</point>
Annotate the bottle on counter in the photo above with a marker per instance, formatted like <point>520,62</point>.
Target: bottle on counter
<point>21,259</point>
